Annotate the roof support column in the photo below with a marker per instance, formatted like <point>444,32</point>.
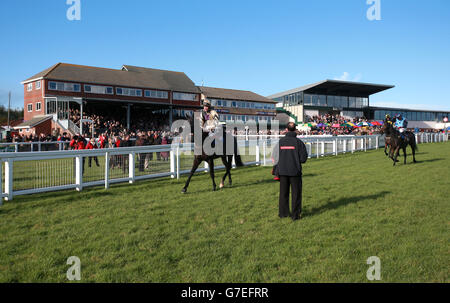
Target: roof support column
<point>81,120</point>
<point>128,115</point>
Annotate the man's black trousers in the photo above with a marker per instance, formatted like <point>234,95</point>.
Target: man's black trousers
<point>295,183</point>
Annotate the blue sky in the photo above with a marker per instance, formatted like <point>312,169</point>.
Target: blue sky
<point>262,46</point>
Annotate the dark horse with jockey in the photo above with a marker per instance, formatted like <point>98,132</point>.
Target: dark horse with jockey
<point>213,145</point>
<point>397,137</point>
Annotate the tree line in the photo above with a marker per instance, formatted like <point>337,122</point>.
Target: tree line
<point>14,114</point>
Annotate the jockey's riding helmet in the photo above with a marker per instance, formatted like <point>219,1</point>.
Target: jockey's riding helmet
<point>206,103</point>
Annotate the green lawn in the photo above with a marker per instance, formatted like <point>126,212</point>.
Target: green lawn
<point>355,206</point>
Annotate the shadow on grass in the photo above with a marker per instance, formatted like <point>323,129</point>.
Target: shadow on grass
<point>429,160</point>
<point>264,181</point>
<point>343,202</point>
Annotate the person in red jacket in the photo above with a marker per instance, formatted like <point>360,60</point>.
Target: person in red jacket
<point>102,141</point>
<point>73,142</point>
<point>92,145</point>
<point>78,143</point>
<point>81,143</point>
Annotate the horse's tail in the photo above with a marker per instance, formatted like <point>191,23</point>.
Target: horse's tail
<point>412,142</point>
<point>414,145</point>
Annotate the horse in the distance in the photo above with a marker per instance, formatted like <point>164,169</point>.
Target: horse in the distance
<point>397,142</point>
<point>227,159</point>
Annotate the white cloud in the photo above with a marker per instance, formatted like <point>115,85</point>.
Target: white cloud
<point>346,77</point>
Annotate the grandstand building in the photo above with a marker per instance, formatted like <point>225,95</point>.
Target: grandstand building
<point>63,87</point>
<point>347,99</point>
<point>239,105</point>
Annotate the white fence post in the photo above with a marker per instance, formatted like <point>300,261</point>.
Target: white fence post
<point>79,173</point>
<point>264,151</point>
<point>344,147</point>
<point>9,171</point>
<point>335,147</point>
<point>106,170</point>
<point>258,161</point>
<point>172,163</point>
<point>177,156</point>
<point>317,149</point>
<point>377,142</point>
<point>131,165</point>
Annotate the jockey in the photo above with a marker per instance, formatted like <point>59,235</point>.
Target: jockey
<point>388,119</point>
<point>209,119</point>
<point>400,124</point>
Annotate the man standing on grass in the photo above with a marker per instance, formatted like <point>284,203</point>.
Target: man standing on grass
<point>289,154</point>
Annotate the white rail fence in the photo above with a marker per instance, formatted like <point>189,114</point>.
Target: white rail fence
<point>60,146</point>
<point>38,172</point>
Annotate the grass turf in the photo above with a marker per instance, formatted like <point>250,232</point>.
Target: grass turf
<point>354,207</point>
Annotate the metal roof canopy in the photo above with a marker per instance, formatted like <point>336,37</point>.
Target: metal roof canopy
<point>338,88</point>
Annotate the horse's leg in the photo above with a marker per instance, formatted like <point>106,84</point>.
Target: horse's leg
<point>385,148</point>
<point>413,147</point>
<point>396,152</point>
<point>230,166</point>
<point>197,162</point>
<point>404,153</point>
<point>227,171</point>
<point>391,152</point>
<point>211,172</point>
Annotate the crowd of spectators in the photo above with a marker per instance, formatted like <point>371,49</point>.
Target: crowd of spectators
<point>115,121</point>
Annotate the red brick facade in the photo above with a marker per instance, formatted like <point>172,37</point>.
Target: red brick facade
<point>33,97</point>
<point>42,128</point>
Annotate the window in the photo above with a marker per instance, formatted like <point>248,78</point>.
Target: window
<point>129,92</point>
<point>185,97</point>
<point>38,106</point>
<point>30,107</point>
<point>38,85</point>
<point>156,94</point>
<point>96,89</point>
<point>66,87</point>
<point>307,99</point>
<point>29,87</point>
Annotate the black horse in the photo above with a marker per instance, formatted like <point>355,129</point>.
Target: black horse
<point>398,141</point>
<point>227,159</point>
